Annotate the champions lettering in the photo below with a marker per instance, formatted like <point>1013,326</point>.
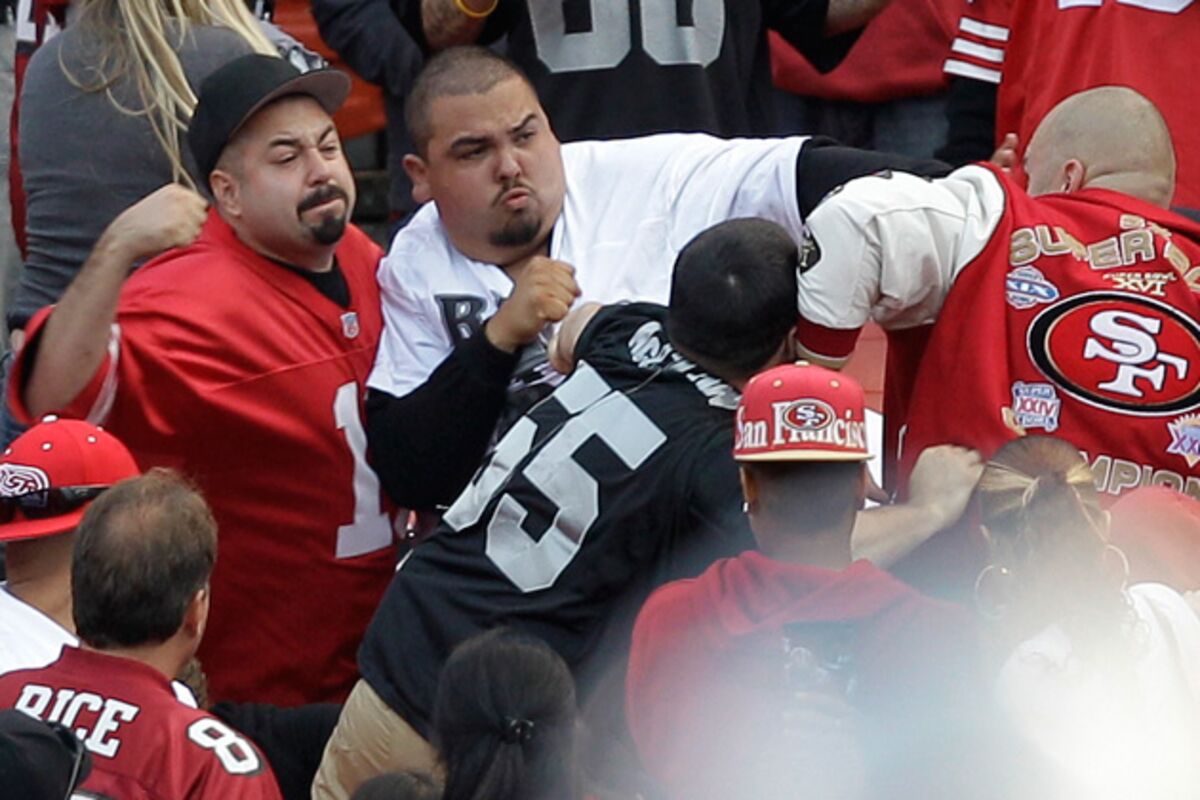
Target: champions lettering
<point>1117,475</point>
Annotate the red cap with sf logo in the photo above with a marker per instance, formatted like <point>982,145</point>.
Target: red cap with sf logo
<point>801,412</point>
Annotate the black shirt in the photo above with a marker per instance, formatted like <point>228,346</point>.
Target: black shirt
<point>622,479</point>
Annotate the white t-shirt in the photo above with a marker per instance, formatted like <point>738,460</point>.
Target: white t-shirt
<point>28,638</point>
<point>1115,734</point>
<point>630,207</point>
<point>31,640</point>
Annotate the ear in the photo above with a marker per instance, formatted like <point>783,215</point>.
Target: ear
<point>225,192</point>
<point>418,173</point>
<point>195,619</point>
<point>1074,175</point>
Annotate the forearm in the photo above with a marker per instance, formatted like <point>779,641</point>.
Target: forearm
<point>445,25</point>
<point>848,15</point>
<point>73,343</point>
<point>370,37</point>
<point>887,534</point>
<point>971,110</point>
<point>426,445</point>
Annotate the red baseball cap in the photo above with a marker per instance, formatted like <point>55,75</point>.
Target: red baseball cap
<point>801,412</point>
<point>51,460</point>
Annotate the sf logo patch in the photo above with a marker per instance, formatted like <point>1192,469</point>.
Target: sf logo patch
<point>1120,352</point>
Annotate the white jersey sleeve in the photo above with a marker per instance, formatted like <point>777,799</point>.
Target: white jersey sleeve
<point>630,207</point>
<point>891,246</point>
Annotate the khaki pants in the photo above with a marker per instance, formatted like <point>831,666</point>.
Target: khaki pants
<point>370,739</point>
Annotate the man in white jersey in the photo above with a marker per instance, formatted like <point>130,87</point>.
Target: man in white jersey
<point>48,476</point>
<point>519,229</point>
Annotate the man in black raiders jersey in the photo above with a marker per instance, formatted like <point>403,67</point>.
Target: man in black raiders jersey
<point>620,480</point>
<point>653,66</point>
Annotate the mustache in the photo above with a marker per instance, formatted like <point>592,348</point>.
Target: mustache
<point>322,194</point>
<point>508,187</point>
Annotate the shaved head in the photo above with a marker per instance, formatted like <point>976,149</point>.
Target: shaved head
<point>1109,137</point>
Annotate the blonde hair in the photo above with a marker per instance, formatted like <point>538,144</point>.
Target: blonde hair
<point>137,43</point>
<point>1038,500</point>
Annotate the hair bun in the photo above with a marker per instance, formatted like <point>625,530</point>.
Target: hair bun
<point>517,731</point>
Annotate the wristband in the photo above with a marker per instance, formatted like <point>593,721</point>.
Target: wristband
<point>472,14</point>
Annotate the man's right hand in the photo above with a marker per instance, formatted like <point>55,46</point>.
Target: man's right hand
<point>170,216</point>
<point>543,293</point>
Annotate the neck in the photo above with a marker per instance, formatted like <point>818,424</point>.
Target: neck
<point>167,658</point>
<point>780,540</point>
<point>1154,189</point>
<point>39,574</point>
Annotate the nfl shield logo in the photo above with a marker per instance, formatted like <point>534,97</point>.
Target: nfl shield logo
<point>350,324</point>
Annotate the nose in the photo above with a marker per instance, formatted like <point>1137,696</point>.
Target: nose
<point>508,166</point>
<point>320,170</point>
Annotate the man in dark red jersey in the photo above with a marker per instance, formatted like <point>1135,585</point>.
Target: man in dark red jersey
<point>140,575</point>
<point>241,359</point>
<point>1070,308</point>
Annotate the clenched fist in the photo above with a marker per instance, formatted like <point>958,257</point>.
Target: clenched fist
<point>170,216</point>
<point>544,292</point>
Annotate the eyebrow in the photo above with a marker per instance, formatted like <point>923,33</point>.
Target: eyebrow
<point>468,141</point>
<point>291,140</point>
<point>523,123</point>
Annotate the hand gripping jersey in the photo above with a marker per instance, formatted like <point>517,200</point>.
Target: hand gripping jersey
<point>239,372</point>
<point>145,744</point>
<point>621,479</point>
<point>1041,51</point>
<point>630,207</point>
<point>1076,315</point>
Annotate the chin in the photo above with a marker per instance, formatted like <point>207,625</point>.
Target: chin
<point>329,230</point>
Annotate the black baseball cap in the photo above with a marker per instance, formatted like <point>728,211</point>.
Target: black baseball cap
<point>39,759</point>
<point>237,91</point>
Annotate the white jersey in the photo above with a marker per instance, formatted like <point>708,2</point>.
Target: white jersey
<point>28,638</point>
<point>630,207</point>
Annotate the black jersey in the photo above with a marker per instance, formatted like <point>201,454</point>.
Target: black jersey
<point>620,480</point>
<point>631,67</point>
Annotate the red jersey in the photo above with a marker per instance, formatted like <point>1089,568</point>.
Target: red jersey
<point>898,55</point>
<point>1041,51</point>
<point>1076,315</point>
<point>145,744</point>
<point>711,673</point>
<point>239,372</point>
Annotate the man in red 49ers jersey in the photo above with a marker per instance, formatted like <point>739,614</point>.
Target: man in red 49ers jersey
<point>142,560</point>
<point>1070,309</point>
<point>241,359</point>
<point>1021,57</point>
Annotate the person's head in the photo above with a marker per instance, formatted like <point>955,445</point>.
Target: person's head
<point>264,139</point>
<point>486,155</point>
<point>48,476</point>
<point>1047,532</point>
<point>801,443</point>
<point>399,786</point>
<point>143,556</point>
<point>505,721</point>
<point>139,42</point>
<point>1109,137</point>
<point>40,760</point>
<point>733,298</point>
